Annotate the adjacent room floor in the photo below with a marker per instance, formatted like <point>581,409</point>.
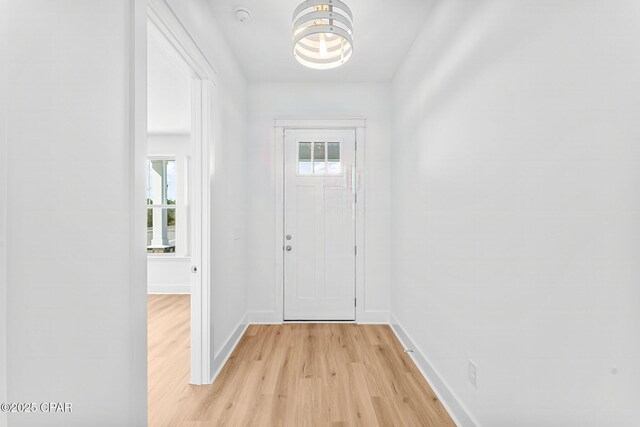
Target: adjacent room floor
<point>288,375</point>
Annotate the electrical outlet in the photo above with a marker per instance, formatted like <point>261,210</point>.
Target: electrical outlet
<point>473,373</point>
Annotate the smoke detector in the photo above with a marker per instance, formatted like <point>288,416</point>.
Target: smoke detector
<point>242,14</point>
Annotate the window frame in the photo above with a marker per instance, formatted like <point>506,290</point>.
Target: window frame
<point>326,159</point>
<point>176,207</point>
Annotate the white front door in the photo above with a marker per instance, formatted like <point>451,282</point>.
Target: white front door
<point>319,225</point>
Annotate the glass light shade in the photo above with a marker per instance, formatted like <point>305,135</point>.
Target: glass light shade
<point>322,34</point>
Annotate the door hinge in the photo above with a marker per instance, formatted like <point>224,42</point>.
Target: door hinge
<point>355,302</point>
<point>355,250</point>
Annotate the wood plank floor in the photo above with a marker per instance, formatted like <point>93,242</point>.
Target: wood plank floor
<point>288,375</point>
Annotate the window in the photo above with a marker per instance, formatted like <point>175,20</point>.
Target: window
<point>319,158</point>
<point>161,205</point>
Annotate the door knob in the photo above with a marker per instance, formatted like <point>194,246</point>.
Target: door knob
<point>288,248</point>
<point>288,237</point>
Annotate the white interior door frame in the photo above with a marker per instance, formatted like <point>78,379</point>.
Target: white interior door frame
<point>167,29</point>
<point>328,123</point>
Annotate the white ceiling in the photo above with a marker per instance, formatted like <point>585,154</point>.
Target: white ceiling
<point>383,33</point>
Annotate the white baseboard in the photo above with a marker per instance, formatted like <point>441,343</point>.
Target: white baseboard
<point>461,416</point>
<point>374,317</point>
<point>230,344</point>
<point>168,289</point>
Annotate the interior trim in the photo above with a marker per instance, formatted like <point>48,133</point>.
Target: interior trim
<point>227,349</point>
<point>458,412</point>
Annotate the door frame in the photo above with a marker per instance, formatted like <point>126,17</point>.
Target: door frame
<point>167,29</point>
<point>281,125</point>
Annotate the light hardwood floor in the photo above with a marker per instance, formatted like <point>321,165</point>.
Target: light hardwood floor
<point>288,375</point>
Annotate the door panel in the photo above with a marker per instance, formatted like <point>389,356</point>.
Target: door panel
<point>305,249</point>
<point>319,225</point>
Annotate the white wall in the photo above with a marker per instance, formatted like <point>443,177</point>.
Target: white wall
<point>71,334</point>
<point>515,209</point>
<point>168,90</point>
<point>270,101</point>
<point>74,312</point>
<point>229,195</point>
<point>4,27</point>
<point>171,273</point>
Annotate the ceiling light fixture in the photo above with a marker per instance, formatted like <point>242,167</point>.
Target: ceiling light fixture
<point>322,34</point>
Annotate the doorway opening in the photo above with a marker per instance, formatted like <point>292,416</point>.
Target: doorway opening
<point>179,93</point>
<point>170,214</point>
<point>320,183</point>
<point>319,225</point>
